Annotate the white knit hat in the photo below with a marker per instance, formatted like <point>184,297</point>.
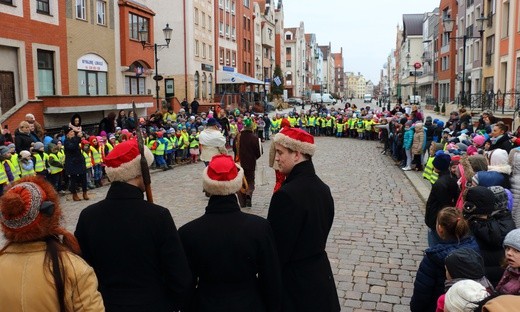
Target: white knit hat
<point>464,296</point>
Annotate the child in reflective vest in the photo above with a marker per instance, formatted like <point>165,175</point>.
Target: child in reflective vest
<point>55,166</point>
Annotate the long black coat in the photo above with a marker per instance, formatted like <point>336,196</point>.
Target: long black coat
<point>233,256</point>
<point>444,193</point>
<point>301,215</point>
<point>74,160</point>
<point>135,250</point>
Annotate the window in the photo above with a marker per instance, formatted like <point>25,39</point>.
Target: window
<point>246,3</point>
<point>197,85</point>
<point>203,50</point>
<point>490,49</point>
<point>46,72</point>
<point>42,6</point>
<point>196,48</point>
<point>210,86</point>
<point>203,19</point>
<point>204,93</point>
<point>233,7</point>
<point>288,51</point>
<point>220,3</point>
<point>92,82</point>
<point>221,56</point>
<point>221,28</point>
<point>101,9</point>
<point>233,58</point>
<point>210,52</point>
<point>227,5</point>
<point>227,30</point>
<point>288,63</point>
<point>135,85</point>
<point>6,2</point>
<point>288,36</point>
<point>196,16</point>
<point>518,74</point>
<point>210,23</point>
<point>233,32</point>
<point>80,10</point>
<point>228,56</point>
<point>505,19</point>
<point>136,23</point>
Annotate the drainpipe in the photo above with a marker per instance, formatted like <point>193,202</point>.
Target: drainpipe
<point>185,54</point>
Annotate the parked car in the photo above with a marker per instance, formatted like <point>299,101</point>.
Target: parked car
<point>295,101</point>
<point>326,98</point>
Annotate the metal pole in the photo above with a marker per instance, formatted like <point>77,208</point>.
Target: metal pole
<point>463,97</point>
<point>156,76</point>
<point>414,82</point>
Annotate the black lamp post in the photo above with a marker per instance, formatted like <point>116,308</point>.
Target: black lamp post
<point>143,38</point>
<point>448,24</point>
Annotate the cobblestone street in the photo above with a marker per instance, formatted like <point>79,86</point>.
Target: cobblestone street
<point>378,235</point>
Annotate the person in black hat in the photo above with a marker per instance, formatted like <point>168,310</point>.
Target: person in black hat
<point>444,193</point>
<point>465,263</point>
<point>489,226</point>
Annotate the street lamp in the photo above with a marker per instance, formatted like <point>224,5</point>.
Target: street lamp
<point>448,24</point>
<point>143,38</point>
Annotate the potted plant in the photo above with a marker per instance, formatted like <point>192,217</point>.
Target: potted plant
<point>443,108</point>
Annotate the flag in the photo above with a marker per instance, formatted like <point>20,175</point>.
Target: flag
<point>277,81</point>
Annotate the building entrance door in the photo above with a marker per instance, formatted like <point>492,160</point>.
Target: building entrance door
<point>7,95</point>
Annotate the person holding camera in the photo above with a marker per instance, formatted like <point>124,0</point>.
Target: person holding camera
<point>75,167</point>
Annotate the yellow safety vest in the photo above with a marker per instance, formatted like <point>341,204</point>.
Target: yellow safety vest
<point>53,169</point>
<point>96,155</point>
<point>25,173</point>
<point>88,161</point>
<point>13,170</point>
<point>15,167</point>
<point>109,146</point>
<point>160,148</point>
<point>194,141</point>
<point>61,155</point>
<point>39,163</point>
<point>3,175</point>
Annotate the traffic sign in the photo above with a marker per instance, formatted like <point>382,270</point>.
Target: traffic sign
<point>417,65</point>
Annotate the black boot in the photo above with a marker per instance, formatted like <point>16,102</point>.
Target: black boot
<point>248,201</point>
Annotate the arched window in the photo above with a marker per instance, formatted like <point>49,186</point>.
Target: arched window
<point>197,85</point>
<point>204,93</point>
<point>210,87</point>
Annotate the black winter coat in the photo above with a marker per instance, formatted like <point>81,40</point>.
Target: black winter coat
<point>74,160</point>
<point>135,250</point>
<point>233,257</point>
<point>429,281</point>
<point>490,234</point>
<point>22,141</point>
<point>444,193</point>
<point>504,143</point>
<point>301,213</point>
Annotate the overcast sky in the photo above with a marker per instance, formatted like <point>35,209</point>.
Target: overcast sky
<point>366,29</point>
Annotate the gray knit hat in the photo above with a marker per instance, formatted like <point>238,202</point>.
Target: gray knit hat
<point>513,239</point>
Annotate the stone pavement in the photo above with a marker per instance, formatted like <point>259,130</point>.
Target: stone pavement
<point>378,235</point>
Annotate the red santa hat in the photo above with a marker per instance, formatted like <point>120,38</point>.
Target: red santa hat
<point>222,176</point>
<point>297,140</point>
<point>123,163</point>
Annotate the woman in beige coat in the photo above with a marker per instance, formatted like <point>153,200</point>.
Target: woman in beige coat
<point>40,269</point>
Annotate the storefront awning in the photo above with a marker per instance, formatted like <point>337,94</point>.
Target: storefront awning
<point>226,77</point>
